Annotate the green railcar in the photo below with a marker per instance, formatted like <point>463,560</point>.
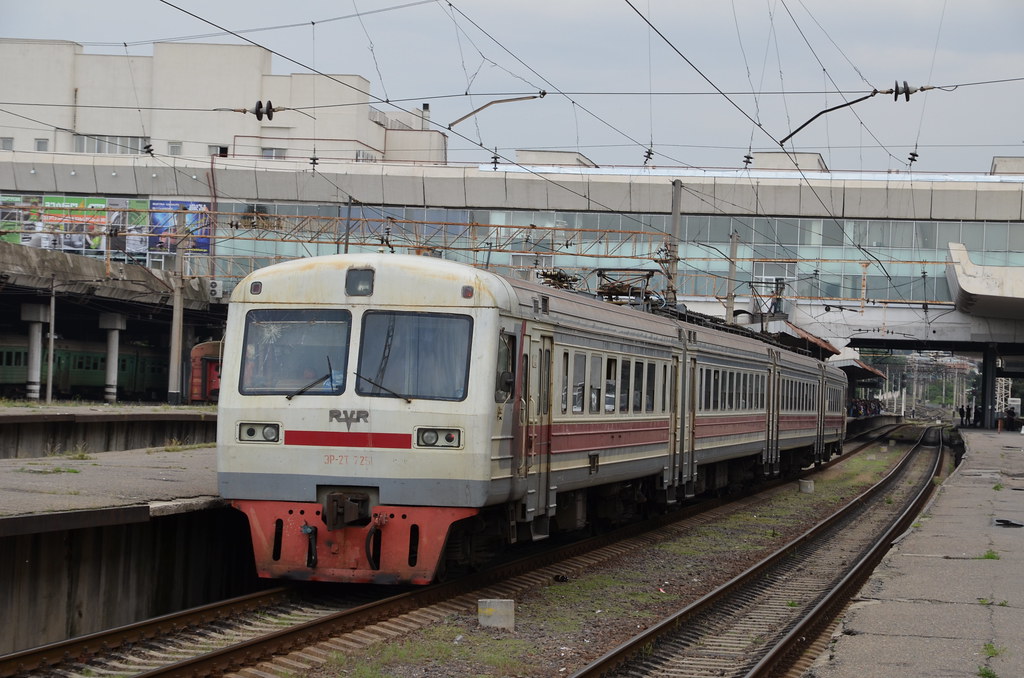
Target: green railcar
<point>80,368</point>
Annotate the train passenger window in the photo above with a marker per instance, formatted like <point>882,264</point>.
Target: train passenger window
<point>716,389</point>
<point>579,374</point>
<point>664,388</point>
<point>624,390</point>
<point>565,382</point>
<point>638,386</point>
<point>596,377</point>
<point>650,390</point>
<point>611,381</point>
<point>544,406</point>
<point>504,374</point>
<point>705,385</point>
<point>292,351</point>
<point>415,355</point>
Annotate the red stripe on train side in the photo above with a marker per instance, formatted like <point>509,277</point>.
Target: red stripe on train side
<point>586,435</point>
<point>394,441</point>
<point>706,426</point>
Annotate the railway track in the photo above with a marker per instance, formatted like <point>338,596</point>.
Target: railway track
<point>291,631</point>
<point>762,622</point>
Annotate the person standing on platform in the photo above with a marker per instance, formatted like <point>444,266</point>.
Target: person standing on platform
<point>963,416</point>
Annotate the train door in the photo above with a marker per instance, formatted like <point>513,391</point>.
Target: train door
<point>688,406</point>
<point>677,438</point>
<point>819,405</point>
<point>772,406</point>
<point>534,455</point>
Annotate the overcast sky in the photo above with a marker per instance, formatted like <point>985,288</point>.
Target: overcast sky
<point>710,81</point>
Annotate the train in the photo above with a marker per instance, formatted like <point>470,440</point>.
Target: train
<point>80,368</point>
<point>204,371</point>
<point>394,419</point>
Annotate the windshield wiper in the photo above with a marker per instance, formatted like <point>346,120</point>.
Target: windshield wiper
<point>318,380</point>
<point>383,388</point>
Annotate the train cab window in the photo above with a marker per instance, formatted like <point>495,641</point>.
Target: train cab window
<point>293,351</point>
<point>504,379</point>
<point>415,355</point>
<point>359,282</point>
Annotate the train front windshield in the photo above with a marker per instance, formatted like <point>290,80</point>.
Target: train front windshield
<point>401,355</point>
<point>288,352</point>
<point>414,355</point>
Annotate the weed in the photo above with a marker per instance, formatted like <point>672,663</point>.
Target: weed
<point>51,469</point>
<point>792,603</point>
<point>991,650</point>
<point>437,646</point>
<point>984,601</point>
<point>989,555</point>
<point>81,452</point>
<point>986,672</point>
<point>997,487</point>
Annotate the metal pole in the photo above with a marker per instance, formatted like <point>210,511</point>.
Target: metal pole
<point>348,222</point>
<point>174,365</point>
<point>730,300</point>
<point>49,355</point>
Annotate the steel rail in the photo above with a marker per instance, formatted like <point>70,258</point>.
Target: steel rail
<point>641,643</point>
<point>51,654</point>
<point>793,645</point>
<point>286,640</point>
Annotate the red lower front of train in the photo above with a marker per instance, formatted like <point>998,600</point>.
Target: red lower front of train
<point>397,545</point>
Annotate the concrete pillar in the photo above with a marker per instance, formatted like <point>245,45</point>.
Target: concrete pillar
<point>35,315</point>
<point>113,323</point>
<point>988,386</point>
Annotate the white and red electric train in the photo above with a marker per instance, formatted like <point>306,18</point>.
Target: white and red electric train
<point>384,417</point>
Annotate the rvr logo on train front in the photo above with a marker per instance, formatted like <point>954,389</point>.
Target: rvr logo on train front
<point>349,417</point>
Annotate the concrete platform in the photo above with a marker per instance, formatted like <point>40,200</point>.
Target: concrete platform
<point>948,600</point>
<point>46,430</point>
<point>104,488</point>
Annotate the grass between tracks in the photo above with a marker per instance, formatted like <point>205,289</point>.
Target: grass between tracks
<point>560,627</point>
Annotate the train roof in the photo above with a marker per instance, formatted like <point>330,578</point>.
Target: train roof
<point>424,280</point>
<point>416,280</point>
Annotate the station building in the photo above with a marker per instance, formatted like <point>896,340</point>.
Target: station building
<point>117,157</point>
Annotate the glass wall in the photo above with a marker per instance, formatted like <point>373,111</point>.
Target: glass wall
<point>831,259</point>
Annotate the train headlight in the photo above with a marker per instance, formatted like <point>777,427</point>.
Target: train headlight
<point>259,433</point>
<point>439,437</point>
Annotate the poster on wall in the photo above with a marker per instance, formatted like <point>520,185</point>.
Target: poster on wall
<point>21,220</point>
<point>195,222</point>
<point>10,218</point>
<point>74,224</point>
<point>128,224</point>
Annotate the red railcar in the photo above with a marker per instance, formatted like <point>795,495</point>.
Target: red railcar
<point>204,382</point>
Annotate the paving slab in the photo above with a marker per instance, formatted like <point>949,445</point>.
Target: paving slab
<point>104,480</point>
<point>948,599</point>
